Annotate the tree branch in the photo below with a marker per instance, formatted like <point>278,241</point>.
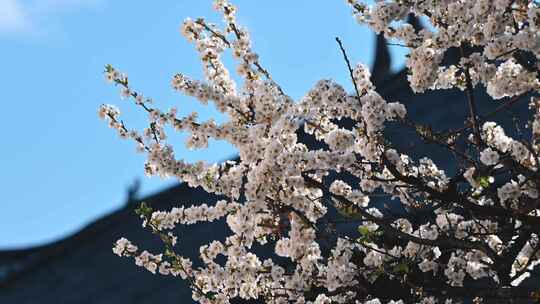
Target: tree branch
<point>472,104</point>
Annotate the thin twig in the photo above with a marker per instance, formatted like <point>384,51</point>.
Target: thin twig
<point>507,104</point>
<point>349,67</point>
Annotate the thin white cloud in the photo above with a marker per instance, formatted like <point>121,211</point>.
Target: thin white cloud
<point>13,17</point>
<point>19,16</point>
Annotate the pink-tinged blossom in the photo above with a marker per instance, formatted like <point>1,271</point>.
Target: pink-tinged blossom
<point>283,194</point>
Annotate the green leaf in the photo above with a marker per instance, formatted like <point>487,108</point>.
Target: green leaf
<point>483,181</point>
<point>401,268</point>
<point>143,210</point>
<point>367,235</point>
<point>348,211</point>
<point>364,231</point>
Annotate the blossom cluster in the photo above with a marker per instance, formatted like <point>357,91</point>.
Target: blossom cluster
<point>431,230</point>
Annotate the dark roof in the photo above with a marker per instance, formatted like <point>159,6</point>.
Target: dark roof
<point>83,269</point>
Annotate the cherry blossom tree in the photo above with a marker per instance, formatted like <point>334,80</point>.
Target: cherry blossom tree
<point>469,236</point>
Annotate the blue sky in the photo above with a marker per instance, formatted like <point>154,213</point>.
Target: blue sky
<point>61,166</point>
